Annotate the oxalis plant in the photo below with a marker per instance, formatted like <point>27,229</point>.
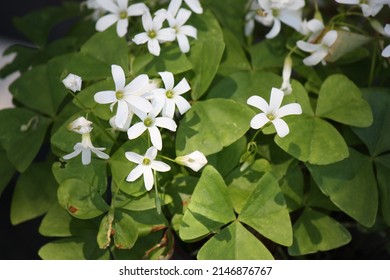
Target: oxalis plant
<point>227,129</point>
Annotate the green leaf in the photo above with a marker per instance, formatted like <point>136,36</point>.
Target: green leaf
<point>242,85</point>
<point>211,125</point>
<point>171,59</point>
<point>6,170</point>
<point>234,59</point>
<point>22,146</point>
<point>121,166</point>
<point>234,243</point>
<point>268,54</point>
<point>310,140</point>
<point>125,230</point>
<point>148,221</point>
<point>315,231</point>
<point>292,186</point>
<point>35,192</point>
<point>144,202</point>
<point>210,207</point>
<point>377,136</point>
<point>206,52</point>
<point>382,165</point>
<point>41,88</point>
<point>74,248</point>
<point>341,100</point>
<point>241,184</point>
<point>266,211</point>
<point>351,186</point>
<point>81,199</point>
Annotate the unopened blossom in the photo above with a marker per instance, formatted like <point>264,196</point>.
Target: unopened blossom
<point>145,167</point>
<point>119,12</point>
<point>386,51</point>
<point>195,160</point>
<point>273,112</point>
<point>125,96</point>
<point>194,5</point>
<point>369,7</point>
<point>286,74</point>
<point>85,147</point>
<point>318,51</point>
<point>151,122</point>
<point>72,82</point>
<point>171,95</point>
<point>182,31</point>
<point>154,33</point>
<point>274,12</point>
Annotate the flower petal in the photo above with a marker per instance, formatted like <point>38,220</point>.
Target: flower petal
<point>108,5</point>
<point>158,21</point>
<point>166,35</point>
<point>259,121</point>
<point>135,173</point>
<point>189,31</point>
<point>160,166</point>
<point>281,127</point>
<point>154,47</point>
<point>386,52</point>
<point>139,103</point>
<point>182,16</point>
<point>141,38</point>
<point>155,137</point>
<point>315,58</point>
<point>86,156</point>
<point>194,6</point>
<point>151,153</point>
<point>99,153</point>
<point>276,99</point>
<point>169,108</point>
<point>308,47</point>
<point>329,38</point>
<point>289,109</point>
<point>274,30</point>
<point>258,102</point>
<point>134,157</point>
<point>167,123</point>
<point>182,104</point>
<point>121,27</point>
<point>105,97</point>
<point>183,42</point>
<point>291,18</point>
<point>182,87</point>
<point>137,9</point>
<point>174,6</point>
<point>73,154</point>
<point>122,113</point>
<point>136,130</point>
<point>106,21</point>
<point>119,77</point>
<point>168,79</point>
<point>148,178</point>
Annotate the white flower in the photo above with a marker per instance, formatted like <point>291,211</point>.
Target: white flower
<point>146,165</point>
<point>369,7</point>
<point>273,112</point>
<point>182,31</point>
<point>274,12</point>
<point>151,123</point>
<point>154,33</point>
<point>319,51</point>
<point>125,96</point>
<point>287,68</point>
<point>97,9</point>
<point>194,5</point>
<point>313,27</point>
<point>119,13</point>
<point>196,160</point>
<point>81,125</point>
<point>171,95</point>
<point>386,51</point>
<point>85,147</point>
<point>72,82</point>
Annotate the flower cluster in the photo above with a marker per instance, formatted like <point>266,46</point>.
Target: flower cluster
<point>154,34</point>
<point>142,105</point>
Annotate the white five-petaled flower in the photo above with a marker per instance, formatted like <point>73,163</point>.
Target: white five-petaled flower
<point>386,51</point>
<point>150,122</point>
<point>319,51</point>
<point>195,160</point>
<point>119,11</point>
<point>72,82</point>
<point>194,5</point>
<point>145,167</point>
<point>85,147</point>
<point>273,112</point>
<point>369,7</point>
<point>129,97</point>
<point>274,12</point>
<point>182,31</point>
<point>154,33</point>
<point>171,95</point>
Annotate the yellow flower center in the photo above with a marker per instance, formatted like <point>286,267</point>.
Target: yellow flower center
<point>169,94</point>
<point>146,161</point>
<point>119,95</point>
<point>152,34</point>
<point>123,15</point>
<point>148,122</point>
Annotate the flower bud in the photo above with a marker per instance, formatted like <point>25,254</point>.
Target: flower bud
<point>287,68</point>
<point>72,82</point>
<point>196,160</point>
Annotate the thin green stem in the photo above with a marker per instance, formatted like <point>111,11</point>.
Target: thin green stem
<point>372,68</point>
<point>167,158</point>
<point>157,198</point>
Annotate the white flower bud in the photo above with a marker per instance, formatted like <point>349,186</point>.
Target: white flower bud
<point>196,160</point>
<point>80,125</point>
<point>287,68</point>
<point>72,82</point>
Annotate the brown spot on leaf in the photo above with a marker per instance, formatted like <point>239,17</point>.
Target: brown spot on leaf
<point>72,209</point>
